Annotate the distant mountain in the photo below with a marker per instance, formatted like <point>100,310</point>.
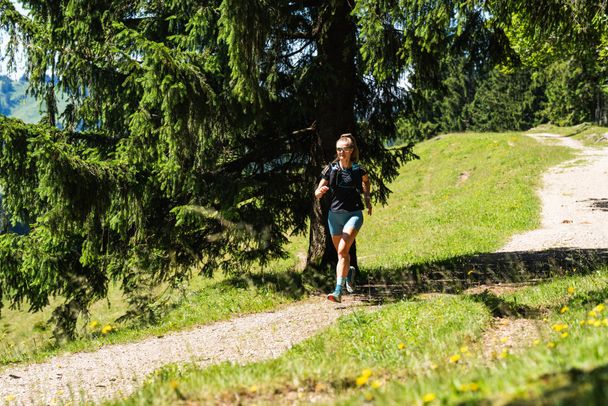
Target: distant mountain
<point>15,103</point>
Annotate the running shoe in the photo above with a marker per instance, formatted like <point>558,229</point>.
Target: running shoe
<point>335,296</point>
<point>350,279</point>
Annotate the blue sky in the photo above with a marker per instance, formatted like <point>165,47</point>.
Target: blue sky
<point>20,57</point>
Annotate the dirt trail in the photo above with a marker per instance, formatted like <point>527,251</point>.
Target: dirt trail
<point>574,203</point>
<point>117,370</point>
<point>574,214</point>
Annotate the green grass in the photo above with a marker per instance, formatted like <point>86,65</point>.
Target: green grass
<point>467,194</point>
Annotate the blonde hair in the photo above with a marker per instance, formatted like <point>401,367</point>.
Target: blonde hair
<point>351,143</point>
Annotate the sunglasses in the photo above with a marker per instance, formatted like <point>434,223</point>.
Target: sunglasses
<point>341,149</point>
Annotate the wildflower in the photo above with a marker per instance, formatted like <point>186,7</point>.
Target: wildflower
<point>599,308</point>
<point>401,346</point>
<point>93,325</point>
<point>582,322</point>
<point>570,290</point>
<point>592,314</point>
<point>504,354</point>
<point>591,322</point>
<point>106,329</point>
<point>253,388</point>
<point>504,340</point>
<point>464,349</point>
<point>376,384</point>
<point>455,358</point>
<point>536,342</point>
<point>564,334</point>
<point>173,384</point>
<point>605,322</point>
<point>559,327</point>
<point>469,387</point>
<point>368,396</point>
<point>10,398</point>
<point>364,377</point>
<point>429,397</point>
<point>597,323</point>
<point>564,309</point>
<point>550,344</point>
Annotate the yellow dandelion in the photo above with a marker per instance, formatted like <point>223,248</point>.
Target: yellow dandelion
<point>591,322</point>
<point>173,384</point>
<point>559,327</point>
<point>429,397</point>
<point>362,380</point>
<point>564,309</point>
<point>504,340</point>
<point>469,387</point>
<point>464,349</point>
<point>504,354</point>
<point>570,290</point>
<point>536,342</point>
<point>10,398</point>
<point>376,384</point>
<point>364,377</point>
<point>605,322</point>
<point>93,325</point>
<point>455,358</point>
<point>564,334</point>
<point>368,396</point>
<point>550,344</point>
<point>253,389</point>
<point>592,314</point>
<point>599,308</point>
<point>401,346</point>
<point>582,322</point>
<point>106,329</point>
<point>597,323</point>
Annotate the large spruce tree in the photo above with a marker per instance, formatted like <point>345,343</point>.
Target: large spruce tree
<point>192,139</point>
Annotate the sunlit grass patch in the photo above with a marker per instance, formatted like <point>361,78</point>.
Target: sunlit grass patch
<point>467,194</point>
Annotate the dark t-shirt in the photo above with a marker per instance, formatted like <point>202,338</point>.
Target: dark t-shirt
<point>345,195</point>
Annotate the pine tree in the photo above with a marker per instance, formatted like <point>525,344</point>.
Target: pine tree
<point>192,140</point>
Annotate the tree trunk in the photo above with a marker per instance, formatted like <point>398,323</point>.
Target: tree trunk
<point>336,46</point>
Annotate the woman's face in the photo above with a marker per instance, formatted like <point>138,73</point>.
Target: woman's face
<point>344,149</point>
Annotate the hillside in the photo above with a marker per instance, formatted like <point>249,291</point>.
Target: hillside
<point>15,103</point>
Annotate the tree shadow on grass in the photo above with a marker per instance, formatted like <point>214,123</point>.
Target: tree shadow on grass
<point>572,387</point>
<point>453,275</point>
<point>456,274</point>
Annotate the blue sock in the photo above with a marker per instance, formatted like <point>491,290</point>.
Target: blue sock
<point>340,283</point>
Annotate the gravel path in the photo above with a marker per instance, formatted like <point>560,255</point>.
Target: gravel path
<point>574,203</point>
<point>117,370</point>
<point>574,215</point>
